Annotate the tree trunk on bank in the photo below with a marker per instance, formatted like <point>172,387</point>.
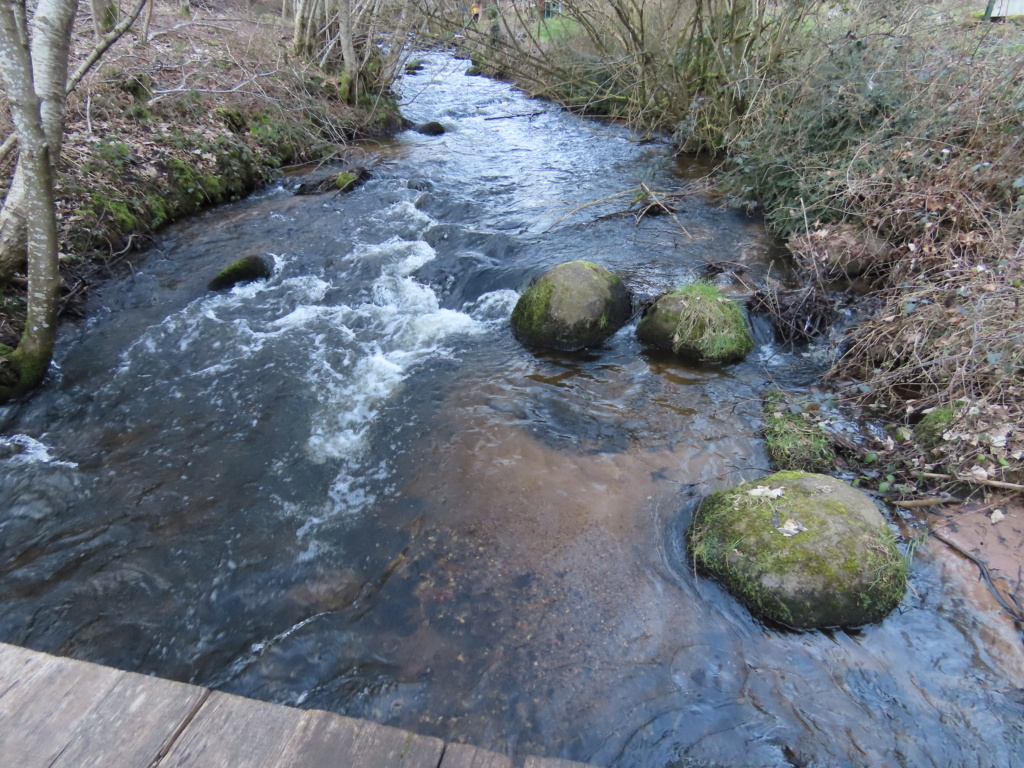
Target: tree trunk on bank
<point>104,16</point>
<point>50,33</point>
<point>29,362</point>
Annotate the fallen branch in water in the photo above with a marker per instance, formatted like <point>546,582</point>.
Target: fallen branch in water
<point>917,503</point>
<point>1014,611</point>
<point>509,117</point>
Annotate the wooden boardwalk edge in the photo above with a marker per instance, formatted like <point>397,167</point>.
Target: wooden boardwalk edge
<point>62,713</point>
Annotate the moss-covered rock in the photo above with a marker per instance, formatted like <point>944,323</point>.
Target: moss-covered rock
<point>801,549</point>
<point>413,67</point>
<point>474,71</point>
<point>245,270</point>
<point>432,128</point>
<point>699,322</point>
<point>574,305</point>
<point>793,436</point>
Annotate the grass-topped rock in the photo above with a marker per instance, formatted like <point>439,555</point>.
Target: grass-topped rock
<point>804,550</point>
<point>699,322</point>
<point>574,305</point>
<point>245,270</point>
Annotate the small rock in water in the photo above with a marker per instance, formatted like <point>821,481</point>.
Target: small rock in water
<point>998,516</point>
<point>432,128</point>
<point>245,270</point>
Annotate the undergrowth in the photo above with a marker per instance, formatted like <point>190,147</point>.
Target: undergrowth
<point>893,148</point>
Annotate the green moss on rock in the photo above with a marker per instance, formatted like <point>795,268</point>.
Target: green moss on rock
<point>245,270</point>
<point>816,554</point>
<point>699,322</point>
<point>574,305</point>
<point>346,181</point>
<point>793,437</point>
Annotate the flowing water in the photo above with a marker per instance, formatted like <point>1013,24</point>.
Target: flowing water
<point>348,487</point>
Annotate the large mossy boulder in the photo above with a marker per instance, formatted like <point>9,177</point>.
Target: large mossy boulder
<point>574,305</point>
<point>804,550</point>
<point>245,270</point>
<point>698,322</point>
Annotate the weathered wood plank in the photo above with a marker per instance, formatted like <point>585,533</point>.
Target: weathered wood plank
<point>551,762</point>
<point>232,731</point>
<point>329,739</point>
<point>42,702</point>
<point>242,733</point>
<point>465,756</point>
<point>132,725</point>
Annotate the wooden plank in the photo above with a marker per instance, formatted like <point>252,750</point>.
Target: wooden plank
<point>242,733</point>
<point>329,739</point>
<point>42,702</point>
<point>552,762</point>
<point>465,756</point>
<point>133,724</point>
<point>232,731</point>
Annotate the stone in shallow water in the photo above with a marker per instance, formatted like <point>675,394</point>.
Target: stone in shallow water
<point>245,270</point>
<point>572,306</point>
<point>801,549</point>
<point>698,322</point>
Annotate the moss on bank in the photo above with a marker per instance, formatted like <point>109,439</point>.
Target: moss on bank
<point>793,438</point>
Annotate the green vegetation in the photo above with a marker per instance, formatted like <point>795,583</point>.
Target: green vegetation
<point>793,436</point>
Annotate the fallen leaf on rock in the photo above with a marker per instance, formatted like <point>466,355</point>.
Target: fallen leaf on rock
<point>791,527</point>
<point>765,491</point>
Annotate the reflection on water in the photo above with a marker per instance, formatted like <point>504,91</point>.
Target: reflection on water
<point>348,487</point>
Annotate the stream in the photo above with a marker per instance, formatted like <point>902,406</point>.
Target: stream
<point>347,487</point>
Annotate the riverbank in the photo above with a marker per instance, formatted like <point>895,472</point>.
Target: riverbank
<point>884,144</point>
<point>210,107</point>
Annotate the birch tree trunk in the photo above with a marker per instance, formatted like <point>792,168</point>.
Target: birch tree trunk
<point>27,364</point>
<point>50,33</point>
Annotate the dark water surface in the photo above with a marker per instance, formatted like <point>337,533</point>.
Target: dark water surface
<point>348,487</point>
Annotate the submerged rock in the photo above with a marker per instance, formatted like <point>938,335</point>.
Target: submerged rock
<point>245,270</point>
<point>432,128</point>
<point>333,181</point>
<point>699,322</point>
<point>804,550</point>
<point>574,305</point>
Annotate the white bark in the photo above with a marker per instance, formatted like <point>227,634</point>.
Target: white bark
<point>50,35</point>
<point>35,349</point>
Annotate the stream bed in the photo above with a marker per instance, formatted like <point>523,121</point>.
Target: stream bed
<point>347,487</point>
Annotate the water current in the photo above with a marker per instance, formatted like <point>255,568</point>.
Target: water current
<point>348,487</point>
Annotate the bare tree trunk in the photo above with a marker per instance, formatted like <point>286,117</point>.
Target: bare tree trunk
<point>31,359</point>
<point>104,16</point>
<point>348,51</point>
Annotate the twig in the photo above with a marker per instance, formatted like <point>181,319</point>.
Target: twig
<point>103,44</point>
<point>1018,619</point>
<point>521,114</point>
<point>974,481</point>
<point>917,503</point>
